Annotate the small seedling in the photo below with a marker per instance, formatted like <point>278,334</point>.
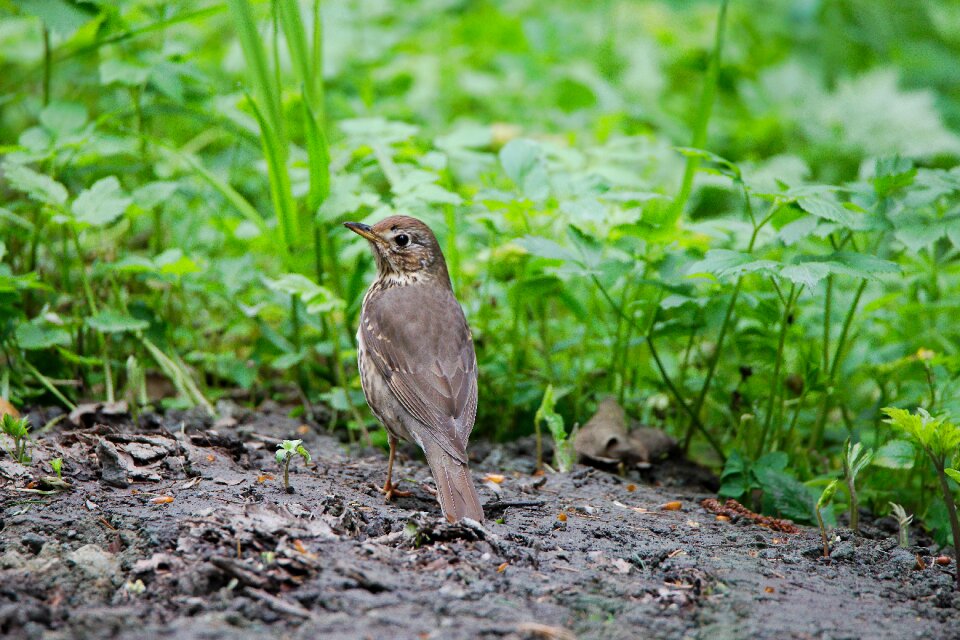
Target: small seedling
<point>824,500</point>
<point>18,429</point>
<point>903,524</point>
<point>855,458</point>
<point>57,465</point>
<point>285,452</point>
<point>563,454</point>
<point>939,439</point>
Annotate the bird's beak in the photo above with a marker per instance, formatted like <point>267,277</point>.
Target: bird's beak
<point>364,230</point>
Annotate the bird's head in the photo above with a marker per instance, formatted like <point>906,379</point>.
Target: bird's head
<point>405,249</point>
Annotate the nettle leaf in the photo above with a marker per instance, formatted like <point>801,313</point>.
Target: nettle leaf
<point>896,454</point>
<point>63,118</point>
<point>799,229</point>
<point>347,195</point>
<point>317,299</point>
<point>102,203</point>
<point>919,234</point>
<point>523,161</point>
<point>174,262</point>
<point>153,194</point>
<point>37,186</point>
<point>809,270</point>
<point>372,131</point>
<point>110,321</point>
<point>724,263</point>
<point>122,72</point>
<point>545,248</point>
<point>892,174</point>
<point>833,211</point>
<point>32,336</point>
<point>60,16</point>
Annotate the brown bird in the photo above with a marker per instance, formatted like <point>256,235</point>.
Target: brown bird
<point>417,364</point>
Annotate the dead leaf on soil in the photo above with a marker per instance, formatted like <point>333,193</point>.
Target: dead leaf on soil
<point>495,478</point>
<point>545,632</point>
<point>503,567</point>
<point>605,439</point>
<point>673,505</point>
<point>162,500</point>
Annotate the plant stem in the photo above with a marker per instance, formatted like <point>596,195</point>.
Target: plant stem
<point>45,381</point>
<point>704,108</point>
<point>775,380</point>
<point>826,323</point>
<point>951,512</point>
<point>823,534</point>
<point>47,65</point>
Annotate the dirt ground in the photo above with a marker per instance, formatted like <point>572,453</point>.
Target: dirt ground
<point>180,528</point>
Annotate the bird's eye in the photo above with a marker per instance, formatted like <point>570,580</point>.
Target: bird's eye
<point>401,240</point>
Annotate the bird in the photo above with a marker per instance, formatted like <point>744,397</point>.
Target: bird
<point>418,367</point>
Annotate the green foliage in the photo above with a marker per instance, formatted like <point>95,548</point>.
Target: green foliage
<point>563,454</point>
<point>18,430</point>
<point>56,465</point>
<point>743,224</point>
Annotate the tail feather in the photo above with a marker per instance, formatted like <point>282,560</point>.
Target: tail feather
<point>455,491</point>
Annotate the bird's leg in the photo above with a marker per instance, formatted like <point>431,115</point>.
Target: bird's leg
<point>388,488</point>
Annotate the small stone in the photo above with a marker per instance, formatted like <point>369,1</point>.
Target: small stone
<point>33,541</point>
<point>843,551</point>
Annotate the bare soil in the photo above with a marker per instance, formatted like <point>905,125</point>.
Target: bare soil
<point>179,527</point>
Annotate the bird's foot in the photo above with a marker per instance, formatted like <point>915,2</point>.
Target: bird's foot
<point>390,491</point>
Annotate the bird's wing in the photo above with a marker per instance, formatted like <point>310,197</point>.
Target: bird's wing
<point>419,340</point>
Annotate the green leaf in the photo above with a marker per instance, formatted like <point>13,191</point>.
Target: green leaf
<point>124,73</point>
<point>827,495</point>
<point>523,162</point>
<point>735,479</point>
<point>953,473</point>
<point>544,248</point>
<point>287,361</point>
<point>724,263</point>
<point>102,203</point>
<point>61,16</point>
<point>63,118</point>
<point>784,495</point>
<point>896,454</point>
<point>893,174</point>
<point>31,336</point>
<point>174,262</point>
<point>110,321</point>
<point>38,186</point>
<point>154,193</point>
<point>833,211</point>
<point>563,454</point>
<point>726,167</point>
<point>315,298</point>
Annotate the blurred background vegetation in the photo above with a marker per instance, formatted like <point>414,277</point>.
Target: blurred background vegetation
<point>741,219</point>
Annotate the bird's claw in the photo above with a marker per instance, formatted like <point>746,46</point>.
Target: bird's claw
<point>390,491</point>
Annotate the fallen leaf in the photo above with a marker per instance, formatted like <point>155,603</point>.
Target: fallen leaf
<point>676,552</point>
<point>769,589</point>
<point>298,545</point>
<point>495,478</point>
<point>162,500</point>
<point>562,517</point>
<point>674,505</point>
<point>723,518</point>
<point>33,484</point>
<point>191,483</point>
<point>7,409</point>
<point>91,506</point>
<point>943,560</point>
<point>303,429</point>
<point>631,487</point>
<point>502,567</point>
<point>921,565</point>
<point>211,457</point>
<point>229,482</point>
<point>263,477</point>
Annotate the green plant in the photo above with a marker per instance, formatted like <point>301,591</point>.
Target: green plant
<point>825,497</point>
<point>563,453</point>
<point>855,458</point>
<point>56,464</point>
<point>939,439</point>
<point>18,430</point>
<point>286,450</point>
<point>903,524</point>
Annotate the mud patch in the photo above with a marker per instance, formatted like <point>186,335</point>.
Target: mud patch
<point>180,528</point>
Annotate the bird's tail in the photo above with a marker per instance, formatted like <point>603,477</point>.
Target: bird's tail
<point>455,491</point>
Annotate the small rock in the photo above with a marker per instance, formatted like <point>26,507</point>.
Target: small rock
<point>843,551</point>
<point>95,563</point>
<point>903,560</point>
<point>33,541</point>
<point>112,470</point>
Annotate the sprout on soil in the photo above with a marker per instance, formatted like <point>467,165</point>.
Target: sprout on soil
<point>855,458</point>
<point>18,429</point>
<point>57,466</point>
<point>824,500</point>
<point>285,452</point>
<point>903,524</point>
